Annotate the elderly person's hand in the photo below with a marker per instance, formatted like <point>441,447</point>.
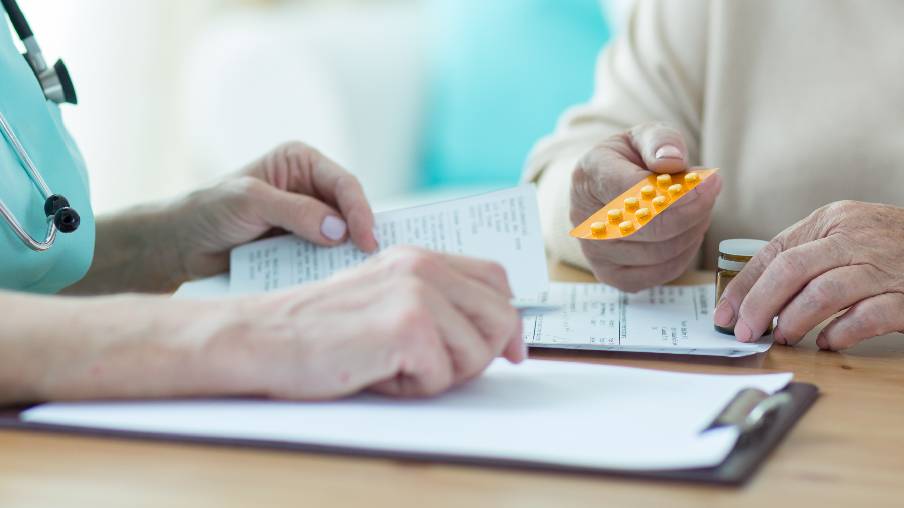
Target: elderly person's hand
<point>846,255</point>
<point>663,249</point>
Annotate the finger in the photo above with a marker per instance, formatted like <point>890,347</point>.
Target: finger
<point>412,259</point>
<point>690,210</point>
<point>620,162</point>
<point>822,297</point>
<point>630,253</point>
<point>302,215</point>
<point>489,310</point>
<point>726,313</point>
<point>602,174</point>
<point>423,365</point>
<point>780,279</point>
<point>515,349</point>
<point>488,272</point>
<point>635,278</point>
<point>469,352</point>
<point>493,275</point>
<point>488,307</point>
<point>875,316</point>
<point>662,147</point>
<point>340,188</point>
<point>429,372</point>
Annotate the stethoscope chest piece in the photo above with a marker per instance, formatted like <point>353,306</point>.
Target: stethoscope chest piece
<point>65,218</point>
<point>56,84</point>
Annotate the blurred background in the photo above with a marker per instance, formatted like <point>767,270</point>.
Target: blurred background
<point>420,98</point>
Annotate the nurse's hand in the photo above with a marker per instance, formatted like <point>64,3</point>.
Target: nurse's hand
<point>408,322</point>
<point>845,255</point>
<point>663,249</point>
<point>293,188</point>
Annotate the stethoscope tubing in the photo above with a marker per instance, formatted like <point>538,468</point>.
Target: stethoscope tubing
<point>57,87</point>
<point>38,180</point>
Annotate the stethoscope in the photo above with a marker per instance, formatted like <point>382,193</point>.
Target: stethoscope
<point>57,87</point>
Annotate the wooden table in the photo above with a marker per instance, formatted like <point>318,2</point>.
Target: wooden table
<point>847,451</point>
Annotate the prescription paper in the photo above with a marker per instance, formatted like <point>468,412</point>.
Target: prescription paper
<point>664,319</point>
<point>542,412</point>
<point>502,226</point>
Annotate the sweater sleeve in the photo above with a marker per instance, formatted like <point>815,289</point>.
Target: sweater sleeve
<point>655,71</point>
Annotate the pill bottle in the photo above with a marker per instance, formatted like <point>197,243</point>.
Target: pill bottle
<point>733,255</point>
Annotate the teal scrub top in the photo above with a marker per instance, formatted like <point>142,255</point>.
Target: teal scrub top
<point>36,122</point>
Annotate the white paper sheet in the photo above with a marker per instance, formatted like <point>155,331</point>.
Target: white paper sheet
<point>503,226</point>
<point>545,412</point>
<point>665,319</point>
<point>211,287</point>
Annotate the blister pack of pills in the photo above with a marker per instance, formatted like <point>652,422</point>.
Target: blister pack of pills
<point>636,207</point>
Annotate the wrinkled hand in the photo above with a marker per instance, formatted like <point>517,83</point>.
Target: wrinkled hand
<point>846,255</point>
<point>408,322</point>
<point>664,248</point>
<point>292,188</point>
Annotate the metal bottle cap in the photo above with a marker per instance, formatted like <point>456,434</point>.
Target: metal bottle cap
<point>736,252</point>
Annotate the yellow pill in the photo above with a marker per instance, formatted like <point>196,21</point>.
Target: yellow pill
<point>642,213</point>
<point>675,189</point>
<point>615,215</point>
<point>626,227</point>
<point>660,201</point>
<point>598,228</point>
<point>664,180</point>
<point>631,204</point>
<point>647,192</point>
<point>692,178</point>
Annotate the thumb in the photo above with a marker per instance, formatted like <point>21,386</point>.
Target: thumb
<point>515,349</point>
<point>662,147</point>
<point>302,215</point>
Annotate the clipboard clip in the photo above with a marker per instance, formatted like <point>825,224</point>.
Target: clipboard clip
<point>750,411</point>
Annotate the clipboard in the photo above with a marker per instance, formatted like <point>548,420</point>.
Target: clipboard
<point>764,420</point>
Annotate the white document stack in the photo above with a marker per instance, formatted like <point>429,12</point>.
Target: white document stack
<point>503,226</point>
<point>665,319</point>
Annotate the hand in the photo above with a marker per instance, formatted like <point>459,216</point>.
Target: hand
<point>408,322</point>
<point>664,248</point>
<point>292,188</point>
<point>846,255</point>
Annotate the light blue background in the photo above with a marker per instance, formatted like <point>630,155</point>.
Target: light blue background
<point>504,70</point>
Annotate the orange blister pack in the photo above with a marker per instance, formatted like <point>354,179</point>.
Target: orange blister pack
<point>636,207</point>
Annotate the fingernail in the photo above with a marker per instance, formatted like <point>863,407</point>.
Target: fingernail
<point>668,152</point>
<point>779,337</point>
<point>724,314</point>
<point>333,227</point>
<point>742,331</point>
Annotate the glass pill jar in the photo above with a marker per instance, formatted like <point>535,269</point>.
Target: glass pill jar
<point>733,255</point>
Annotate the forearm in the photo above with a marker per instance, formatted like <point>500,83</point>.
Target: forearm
<point>130,346</point>
<point>135,251</point>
